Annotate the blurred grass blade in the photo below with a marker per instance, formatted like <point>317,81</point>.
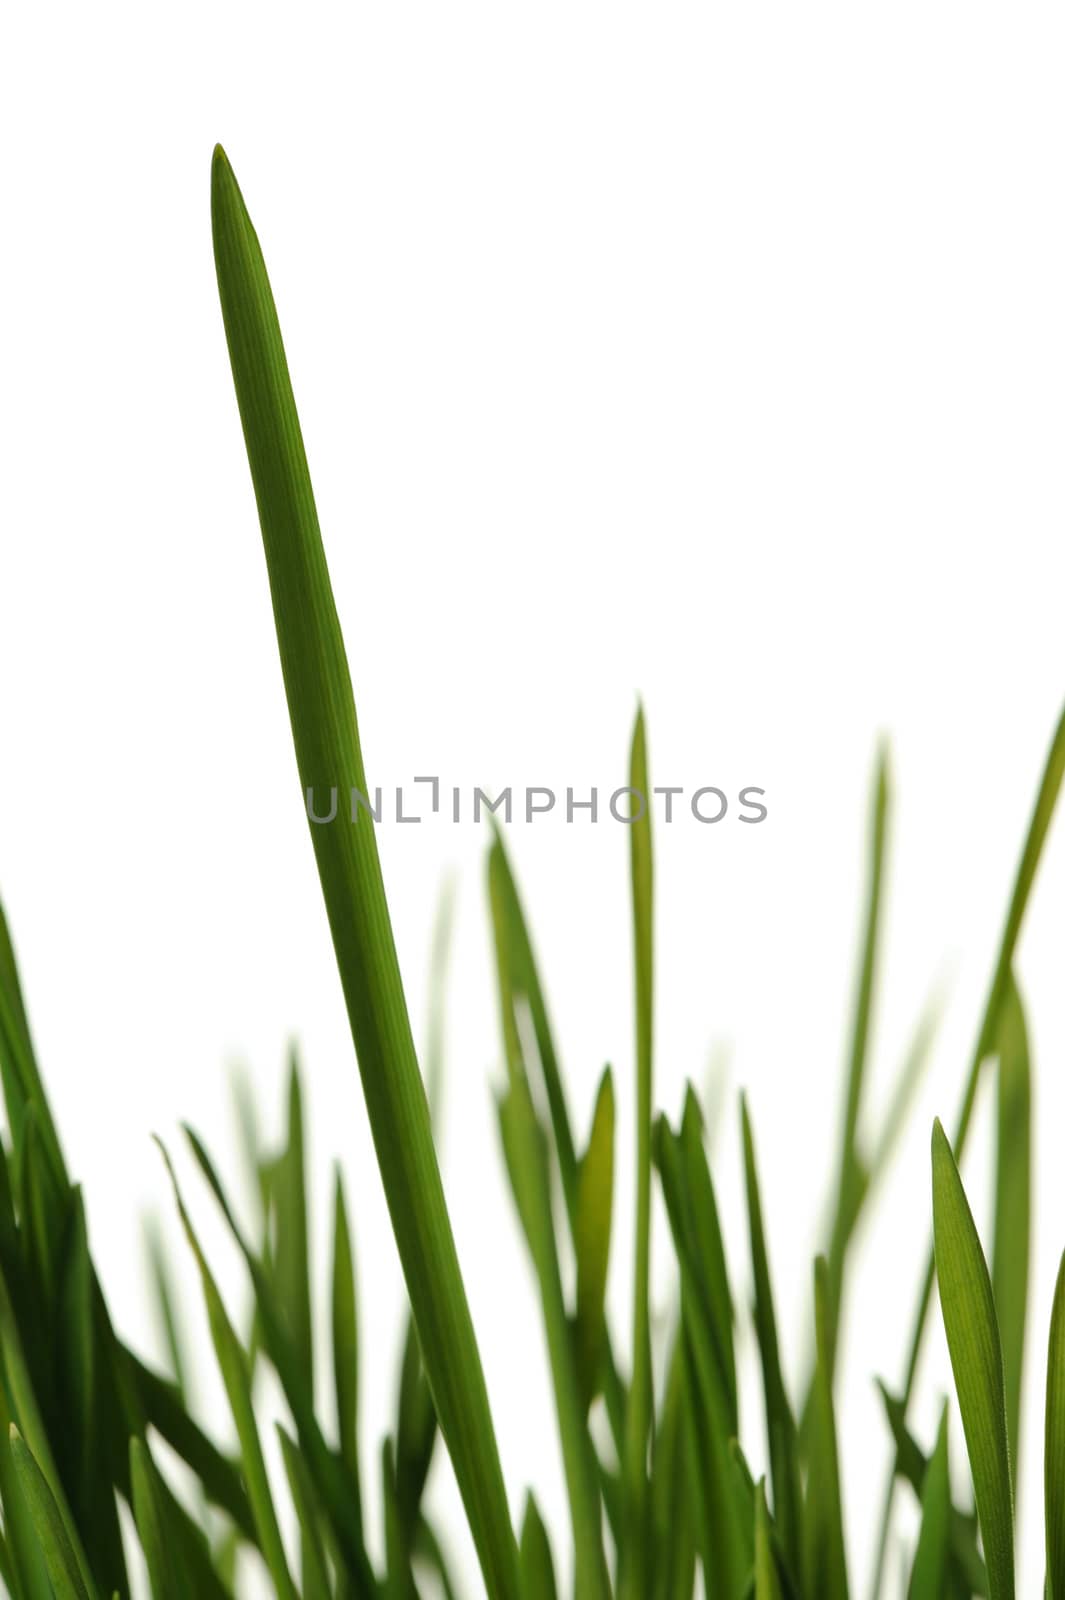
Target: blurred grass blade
<point>1054,1444</point>
<point>537,1567</point>
<point>315,1584</point>
<point>766,1579</point>
<point>1011,1239</point>
<point>345,1322</point>
<point>976,1359</point>
<point>166,1571</point>
<point>595,1199</point>
<point>325,734</point>
<point>166,1306</point>
<point>291,1266</point>
<point>526,1159</point>
<point>64,1572</point>
<point>415,1436</point>
<point>850,1174</point>
<point>780,1422</point>
<point>640,1411</point>
<point>931,1563</point>
<point>825,1551</point>
<point>233,1365</point>
<point>671,1497</point>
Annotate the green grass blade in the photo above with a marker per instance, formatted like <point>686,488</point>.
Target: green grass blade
<point>640,1411</point>
<point>1035,839</point>
<point>766,1577</point>
<point>236,1377</point>
<point>291,1266</point>
<point>166,1307</point>
<point>1011,1238</point>
<point>526,1158</point>
<point>780,1422</point>
<point>399,1584</point>
<point>1054,1456</point>
<point>416,1429</point>
<point>167,1573</point>
<point>931,1563</point>
<point>595,1201</point>
<point>976,1359</point>
<point>64,1571</point>
<point>537,1567</point>
<point>825,1550</point>
<point>328,754</point>
<point>315,1584</point>
<point>345,1323</point>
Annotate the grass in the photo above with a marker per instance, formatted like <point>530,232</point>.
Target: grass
<point>661,1497</point>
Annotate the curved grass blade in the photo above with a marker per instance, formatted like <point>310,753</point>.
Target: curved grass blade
<point>595,1199</point>
<point>1011,1239</point>
<point>931,1563</point>
<point>62,1564</point>
<point>1054,1445</point>
<point>328,754</point>
<point>780,1422</point>
<point>976,1359</point>
<point>639,1414</point>
<point>1035,839</point>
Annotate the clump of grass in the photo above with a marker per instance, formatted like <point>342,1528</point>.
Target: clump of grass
<point>660,1499</point>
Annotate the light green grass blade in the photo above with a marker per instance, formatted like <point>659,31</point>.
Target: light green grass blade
<point>1011,1238</point>
<point>780,1422</point>
<point>62,1564</point>
<point>931,1563</point>
<point>1035,839</point>
<point>595,1202</point>
<point>825,1550</point>
<point>328,754</point>
<point>537,1567</point>
<point>159,1540</point>
<point>639,1417</point>
<point>236,1377</point>
<point>345,1324</point>
<point>849,1177</point>
<point>1054,1445</point>
<point>166,1306</point>
<point>291,1265</point>
<point>766,1578</point>
<point>671,1497</point>
<point>976,1359</point>
<point>526,1157</point>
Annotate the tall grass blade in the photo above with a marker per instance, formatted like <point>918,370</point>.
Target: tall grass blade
<point>766,1578</point>
<point>291,1251</point>
<point>595,1200</point>
<point>825,1550</point>
<point>64,1571</point>
<point>976,1359</point>
<point>780,1422</point>
<point>345,1323</point>
<point>537,1567</point>
<point>325,733</point>
<point>1011,1239</point>
<point>640,1411</point>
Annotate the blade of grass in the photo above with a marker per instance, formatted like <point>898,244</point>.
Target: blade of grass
<point>291,1267</point>
<point>1011,1238</point>
<point>1054,1444</point>
<point>976,1359</point>
<point>328,754</point>
<point>167,1573</point>
<point>766,1579</point>
<point>640,1410</point>
<point>233,1365</point>
<point>537,1567</point>
<point>931,1563</point>
<point>825,1551</point>
<point>1035,839</point>
<point>595,1199</point>
<point>526,1158</point>
<point>345,1321</point>
<point>315,1574</point>
<point>62,1564</point>
<point>780,1422</point>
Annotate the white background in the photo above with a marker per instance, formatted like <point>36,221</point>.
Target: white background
<point>715,359</point>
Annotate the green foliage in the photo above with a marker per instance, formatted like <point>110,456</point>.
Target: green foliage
<point>662,1500</point>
